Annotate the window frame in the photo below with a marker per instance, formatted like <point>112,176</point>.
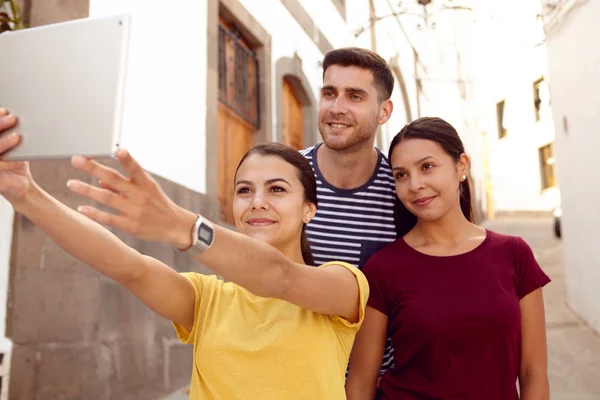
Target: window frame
<point>500,114</point>
<point>547,166</point>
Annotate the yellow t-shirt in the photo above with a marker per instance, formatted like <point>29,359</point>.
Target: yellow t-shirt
<point>250,347</point>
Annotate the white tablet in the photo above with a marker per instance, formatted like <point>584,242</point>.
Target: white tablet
<point>65,82</point>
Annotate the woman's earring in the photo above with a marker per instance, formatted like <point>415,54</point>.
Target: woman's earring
<point>462,178</point>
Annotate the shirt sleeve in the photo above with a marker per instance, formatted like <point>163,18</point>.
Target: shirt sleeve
<point>204,287</point>
<point>529,274</point>
<point>363,294</point>
<point>377,296</point>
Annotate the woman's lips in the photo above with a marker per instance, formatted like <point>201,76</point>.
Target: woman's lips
<point>260,222</point>
<point>424,201</point>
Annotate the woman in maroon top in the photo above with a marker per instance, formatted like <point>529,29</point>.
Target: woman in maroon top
<point>463,305</point>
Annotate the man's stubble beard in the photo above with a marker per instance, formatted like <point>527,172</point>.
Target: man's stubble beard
<point>355,140</point>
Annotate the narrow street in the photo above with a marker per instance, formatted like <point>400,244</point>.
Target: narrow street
<point>573,348</point>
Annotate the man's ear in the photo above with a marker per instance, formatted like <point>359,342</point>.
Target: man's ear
<point>385,112</point>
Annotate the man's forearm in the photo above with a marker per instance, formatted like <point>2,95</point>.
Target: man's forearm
<point>83,238</point>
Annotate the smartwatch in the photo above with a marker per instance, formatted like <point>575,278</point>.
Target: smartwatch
<point>203,236</point>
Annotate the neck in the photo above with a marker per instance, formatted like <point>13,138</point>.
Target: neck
<point>292,251</point>
<point>347,169</point>
<point>449,229</point>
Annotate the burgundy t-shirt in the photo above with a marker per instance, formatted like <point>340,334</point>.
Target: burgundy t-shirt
<point>455,321</point>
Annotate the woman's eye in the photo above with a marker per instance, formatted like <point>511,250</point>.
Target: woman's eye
<point>243,190</point>
<point>277,189</point>
<point>400,175</point>
<point>427,166</point>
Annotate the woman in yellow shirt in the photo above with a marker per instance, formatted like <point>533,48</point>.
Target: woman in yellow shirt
<point>278,329</point>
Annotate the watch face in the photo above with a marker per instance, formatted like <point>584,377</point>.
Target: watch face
<point>205,234</point>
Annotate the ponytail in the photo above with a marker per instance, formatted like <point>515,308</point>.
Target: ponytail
<point>307,254</point>
<point>465,199</point>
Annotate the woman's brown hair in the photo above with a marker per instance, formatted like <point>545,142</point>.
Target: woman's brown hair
<point>306,176</point>
<point>441,132</point>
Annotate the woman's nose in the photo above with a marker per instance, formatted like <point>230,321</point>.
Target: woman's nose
<point>260,202</point>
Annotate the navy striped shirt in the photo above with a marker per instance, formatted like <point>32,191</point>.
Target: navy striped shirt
<point>352,224</point>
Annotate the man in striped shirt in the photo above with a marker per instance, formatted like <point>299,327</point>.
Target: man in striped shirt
<point>355,187</point>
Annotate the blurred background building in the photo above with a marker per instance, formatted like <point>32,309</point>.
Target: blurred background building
<point>574,63</point>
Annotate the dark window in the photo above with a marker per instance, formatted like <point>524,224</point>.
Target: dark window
<point>222,63</point>
<point>537,101</point>
<point>242,78</point>
<point>500,119</point>
<point>547,162</point>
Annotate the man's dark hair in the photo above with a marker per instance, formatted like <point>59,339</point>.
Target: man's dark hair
<point>383,80</point>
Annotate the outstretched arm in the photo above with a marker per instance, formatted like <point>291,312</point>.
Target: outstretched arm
<point>146,212</point>
<point>158,286</point>
<point>266,272</point>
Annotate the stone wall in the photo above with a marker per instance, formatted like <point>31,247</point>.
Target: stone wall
<point>79,335</point>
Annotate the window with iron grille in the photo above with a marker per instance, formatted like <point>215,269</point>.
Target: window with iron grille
<point>222,63</point>
<point>238,76</point>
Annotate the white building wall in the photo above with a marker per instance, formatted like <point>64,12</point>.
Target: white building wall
<point>165,102</point>
<point>574,60</point>
<point>511,57</point>
<point>165,98</point>
<point>472,59</point>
